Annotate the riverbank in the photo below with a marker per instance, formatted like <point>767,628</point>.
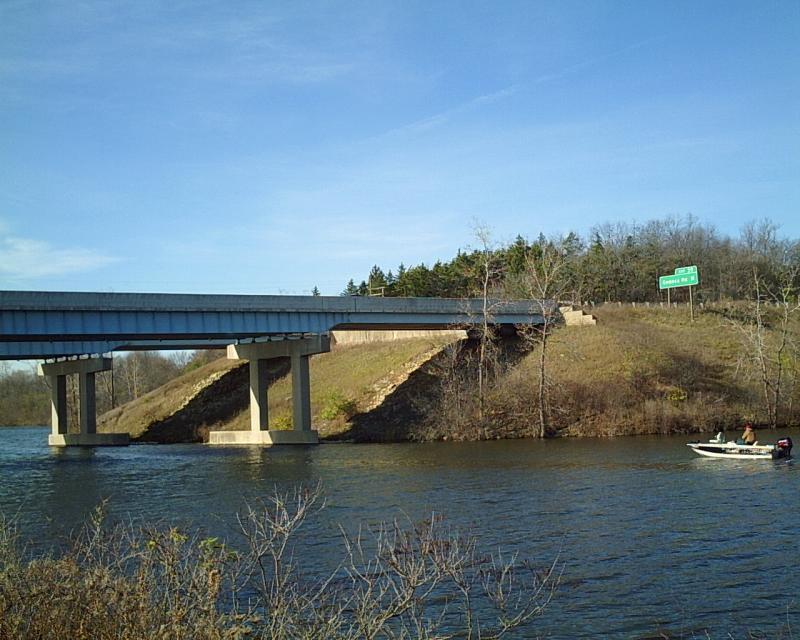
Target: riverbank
<point>639,371</point>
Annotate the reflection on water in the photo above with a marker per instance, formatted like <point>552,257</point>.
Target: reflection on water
<point>653,538</point>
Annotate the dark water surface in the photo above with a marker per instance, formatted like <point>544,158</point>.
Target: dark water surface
<point>653,538</point>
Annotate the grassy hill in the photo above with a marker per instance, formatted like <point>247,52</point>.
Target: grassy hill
<point>639,371</point>
<point>644,370</point>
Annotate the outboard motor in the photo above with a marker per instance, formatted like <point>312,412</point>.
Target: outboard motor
<point>784,447</point>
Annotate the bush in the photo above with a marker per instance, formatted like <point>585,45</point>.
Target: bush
<point>282,423</point>
<point>162,583</point>
<point>337,405</point>
<point>676,394</point>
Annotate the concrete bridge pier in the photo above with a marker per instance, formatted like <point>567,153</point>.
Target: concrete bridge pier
<point>258,353</point>
<point>86,370</point>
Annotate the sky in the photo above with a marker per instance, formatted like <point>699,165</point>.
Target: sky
<point>268,147</point>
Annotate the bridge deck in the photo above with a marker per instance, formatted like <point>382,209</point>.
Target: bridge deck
<point>40,324</point>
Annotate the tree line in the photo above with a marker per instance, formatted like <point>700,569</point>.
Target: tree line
<point>614,262</point>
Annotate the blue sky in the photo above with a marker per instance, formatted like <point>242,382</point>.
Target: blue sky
<point>264,147</point>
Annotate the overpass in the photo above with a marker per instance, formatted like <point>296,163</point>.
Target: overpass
<point>46,324</point>
<point>69,327</point>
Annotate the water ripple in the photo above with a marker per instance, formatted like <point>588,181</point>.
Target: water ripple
<point>653,540</point>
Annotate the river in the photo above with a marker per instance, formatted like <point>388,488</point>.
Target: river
<point>653,539</point>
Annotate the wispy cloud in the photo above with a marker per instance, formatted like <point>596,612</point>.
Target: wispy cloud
<point>27,259</point>
<point>478,102</point>
<point>268,45</point>
<point>435,120</point>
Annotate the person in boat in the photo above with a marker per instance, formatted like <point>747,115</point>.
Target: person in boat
<point>749,435</point>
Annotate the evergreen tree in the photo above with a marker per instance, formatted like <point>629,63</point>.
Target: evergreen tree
<point>351,289</point>
<point>376,280</point>
<point>516,256</point>
<point>315,292</point>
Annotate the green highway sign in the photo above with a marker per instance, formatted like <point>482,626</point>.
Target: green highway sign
<point>683,277</point>
<point>678,280</point>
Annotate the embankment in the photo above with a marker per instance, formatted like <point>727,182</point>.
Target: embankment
<point>348,381</point>
<point>647,371</point>
<point>639,371</point>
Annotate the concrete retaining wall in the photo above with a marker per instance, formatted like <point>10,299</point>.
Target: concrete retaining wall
<point>390,335</point>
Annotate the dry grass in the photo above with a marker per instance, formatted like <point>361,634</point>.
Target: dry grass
<point>641,371</point>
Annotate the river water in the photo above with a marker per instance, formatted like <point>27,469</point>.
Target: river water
<point>653,539</point>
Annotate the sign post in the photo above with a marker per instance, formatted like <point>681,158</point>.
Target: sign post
<point>683,277</point>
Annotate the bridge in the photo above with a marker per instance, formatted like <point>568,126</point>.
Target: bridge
<point>78,330</point>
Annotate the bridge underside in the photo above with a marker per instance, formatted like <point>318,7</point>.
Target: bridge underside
<point>39,349</point>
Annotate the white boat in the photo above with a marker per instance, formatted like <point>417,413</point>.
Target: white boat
<point>718,448</point>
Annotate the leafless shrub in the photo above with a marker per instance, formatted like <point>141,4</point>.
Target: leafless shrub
<point>415,581</point>
<point>427,581</point>
<point>451,413</point>
<point>769,336</point>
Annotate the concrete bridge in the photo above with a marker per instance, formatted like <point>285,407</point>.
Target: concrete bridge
<point>75,330</point>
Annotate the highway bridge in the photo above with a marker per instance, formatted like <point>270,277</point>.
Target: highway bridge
<point>76,330</point>
<point>47,324</point>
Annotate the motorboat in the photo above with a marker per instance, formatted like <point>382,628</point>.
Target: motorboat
<point>719,448</point>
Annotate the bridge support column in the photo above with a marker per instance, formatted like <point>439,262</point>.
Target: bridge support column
<point>259,404</point>
<point>87,436</point>
<point>298,351</point>
<point>301,393</point>
<point>58,404</point>
<point>88,402</point>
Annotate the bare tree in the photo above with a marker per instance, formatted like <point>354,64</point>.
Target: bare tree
<point>769,337</point>
<point>488,269</point>
<point>132,374</point>
<point>427,581</point>
<point>106,396</point>
<point>73,403</point>
<point>544,284</point>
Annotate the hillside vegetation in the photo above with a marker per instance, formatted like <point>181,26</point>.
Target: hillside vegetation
<point>639,371</point>
<point>642,371</point>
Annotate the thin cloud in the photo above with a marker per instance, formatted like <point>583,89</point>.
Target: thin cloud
<point>249,50</point>
<point>26,259</point>
<point>443,117</point>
